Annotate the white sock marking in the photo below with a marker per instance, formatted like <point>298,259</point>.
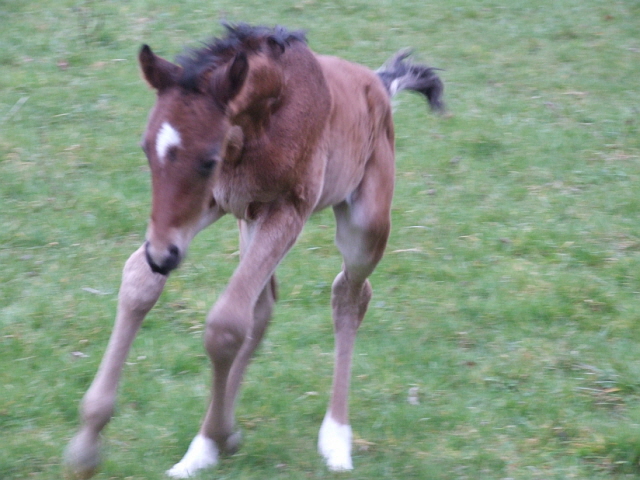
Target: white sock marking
<point>202,453</point>
<point>334,444</point>
<point>167,138</point>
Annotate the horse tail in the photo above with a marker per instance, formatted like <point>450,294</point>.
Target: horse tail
<point>399,74</point>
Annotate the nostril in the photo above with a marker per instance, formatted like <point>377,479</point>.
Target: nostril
<point>174,252</point>
<point>173,259</point>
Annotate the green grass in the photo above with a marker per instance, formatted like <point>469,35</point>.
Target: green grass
<point>508,296</point>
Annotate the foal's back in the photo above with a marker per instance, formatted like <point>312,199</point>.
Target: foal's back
<point>360,117</point>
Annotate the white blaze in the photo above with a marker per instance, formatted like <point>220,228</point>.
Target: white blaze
<point>167,138</point>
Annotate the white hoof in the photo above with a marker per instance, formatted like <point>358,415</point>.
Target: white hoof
<point>202,453</point>
<point>334,444</point>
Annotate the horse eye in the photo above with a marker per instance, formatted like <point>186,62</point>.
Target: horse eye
<point>172,154</point>
<point>206,166</point>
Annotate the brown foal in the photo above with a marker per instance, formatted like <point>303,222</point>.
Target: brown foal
<point>257,125</point>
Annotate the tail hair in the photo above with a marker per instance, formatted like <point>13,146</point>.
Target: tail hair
<point>399,74</point>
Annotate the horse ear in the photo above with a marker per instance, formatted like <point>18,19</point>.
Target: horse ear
<point>235,77</point>
<point>227,83</point>
<point>157,71</point>
<point>253,91</point>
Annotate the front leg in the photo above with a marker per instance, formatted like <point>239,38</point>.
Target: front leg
<point>235,326</point>
<point>139,292</point>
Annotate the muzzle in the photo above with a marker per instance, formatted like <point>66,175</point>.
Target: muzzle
<point>166,263</point>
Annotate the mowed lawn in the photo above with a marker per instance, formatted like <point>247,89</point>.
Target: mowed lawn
<point>503,339</point>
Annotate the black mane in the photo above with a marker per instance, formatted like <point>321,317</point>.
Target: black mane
<point>241,37</point>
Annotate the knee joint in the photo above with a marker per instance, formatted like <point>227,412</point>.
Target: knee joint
<point>225,333</point>
<point>140,287</point>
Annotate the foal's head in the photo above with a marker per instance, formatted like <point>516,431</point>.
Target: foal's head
<point>205,108</point>
<point>184,143</point>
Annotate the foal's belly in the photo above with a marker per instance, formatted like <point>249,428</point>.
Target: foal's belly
<point>343,174</point>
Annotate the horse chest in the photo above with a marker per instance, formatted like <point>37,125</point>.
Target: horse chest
<point>232,197</point>
<point>234,191</point>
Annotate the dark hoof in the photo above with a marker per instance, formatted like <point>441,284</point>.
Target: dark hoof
<point>82,457</point>
<point>232,444</point>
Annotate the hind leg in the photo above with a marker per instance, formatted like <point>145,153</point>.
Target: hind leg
<point>363,226</point>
